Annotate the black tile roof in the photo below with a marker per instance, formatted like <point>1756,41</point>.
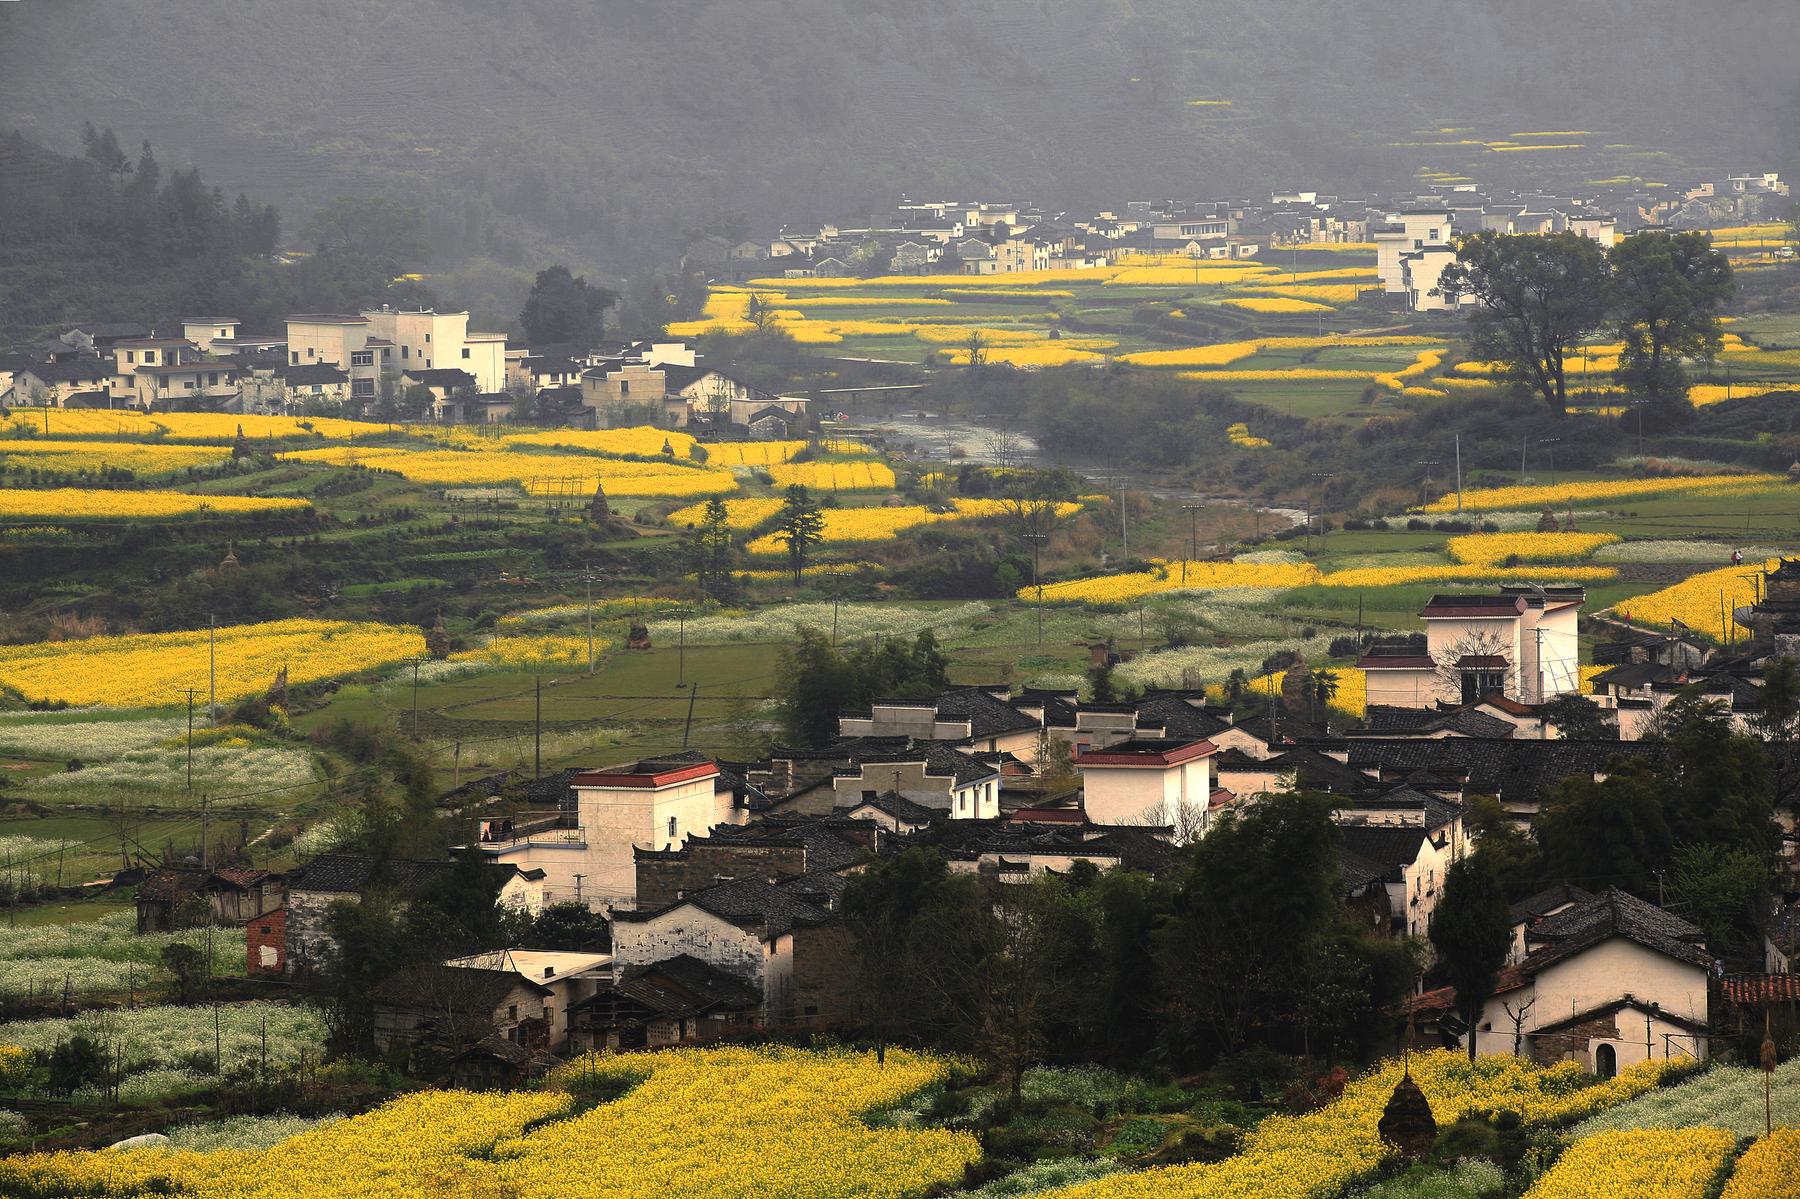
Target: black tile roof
<point>679,986</point>
<point>1534,906</point>
<point>310,373</point>
<point>1390,848</point>
<point>987,716</point>
<point>346,873</point>
<point>1518,771</point>
<point>894,804</point>
<point>473,986</point>
<point>1613,913</point>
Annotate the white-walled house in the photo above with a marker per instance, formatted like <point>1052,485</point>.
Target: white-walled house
<point>1607,982</point>
<point>1158,781</point>
<point>1520,643</point>
<point>587,854</point>
<point>1403,233</point>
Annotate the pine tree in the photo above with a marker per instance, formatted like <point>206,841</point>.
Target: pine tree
<point>800,527</point>
<point>1472,931</point>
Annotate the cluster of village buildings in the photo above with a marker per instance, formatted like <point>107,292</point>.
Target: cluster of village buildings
<point>1413,234</point>
<point>331,364</point>
<point>723,880</point>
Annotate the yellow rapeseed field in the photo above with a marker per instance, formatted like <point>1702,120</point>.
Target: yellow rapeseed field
<point>1704,601</point>
<point>1702,394</point>
<point>1299,374</point>
<point>1274,304</point>
<point>552,474</point>
<point>74,457</point>
<point>146,670</point>
<point>178,426</point>
<point>885,524</point>
<point>741,515</point>
<point>1239,435</point>
<point>834,476</point>
<point>751,453</point>
<point>639,440</point>
<point>76,503</point>
<point>1048,353</point>
<point>1399,576</point>
<point>1639,1163</point>
<point>1491,549</point>
<point>1323,1152</point>
<point>1228,352</point>
<point>1769,1169</point>
<point>1175,576</point>
<point>526,650</point>
<point>767,1123</point>
<point>1561,495</point>
<point>1325,293</point>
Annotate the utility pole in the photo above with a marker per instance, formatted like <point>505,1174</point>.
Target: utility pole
<point>1551,441</point>
<point>205,829</point>
<point>212,670</point>
<point>1428,464</point>
<point>415,710</point>
<point>190,692</point>
<point>1037,587</point>
<point>1523,442</point>
<point>1193,511</point>
<point>590,622</point>
<point>688,726</point>
<point>1459,474</point>
<point>1321,476</point>
<point>537,728</point>
<point>681,615</point>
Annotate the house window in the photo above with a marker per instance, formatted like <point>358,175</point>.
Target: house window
<point>405,350</point>
<point>512,1011</point>
<point>294,358</point>
<point>212,378</point>
<point>624,387</point>
<point>1606,1061</point>
<point>131,355</point>
<point>362,358</point>
<point>465,351</point>
<point>428,339</point>
<point>1477,683</point>
<point>362,387</point>
<point>671,828</point>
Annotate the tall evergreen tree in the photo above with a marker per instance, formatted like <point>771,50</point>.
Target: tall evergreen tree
<point>1472,930</point>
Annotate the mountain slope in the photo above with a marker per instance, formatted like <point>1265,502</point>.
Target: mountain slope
<point>612,127</point>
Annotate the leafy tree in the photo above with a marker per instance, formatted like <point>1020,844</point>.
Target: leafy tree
<point>188,966</point>
<point>817,681</point>
<point>571,927</point>
<point>1472,931</point>
<point>711,551</point>
<point>1667,291</point>
<point>1579,718</point>
<point>1716,784</point>
<point>1778,726</point>
<point>1537,297</point>
<point>1725,891</point>
<point>800,526</point>
<point>1254,903</point>
<point>1609,832</point>
<point>885,908</point>
<point>1510,852</point>
<point>76,1062</point>
<point>565,307</point>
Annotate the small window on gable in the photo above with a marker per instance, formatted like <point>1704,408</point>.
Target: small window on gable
<point>671,828</point>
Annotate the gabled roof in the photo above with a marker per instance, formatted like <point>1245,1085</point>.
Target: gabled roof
<point>987,716</point>
<point>472,987</point>
<point>892,803</point>
<point>1536,906</point>
<point>1517,770</point>
<point>310,373</point>
<point>679,986</point>
<point>1392,849</point>
<point>779,908</point>
<point>440,376</point>
<point>1613,913</point>
<point>345,873</point>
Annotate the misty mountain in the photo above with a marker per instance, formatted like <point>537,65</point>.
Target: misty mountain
<point>609,129</point>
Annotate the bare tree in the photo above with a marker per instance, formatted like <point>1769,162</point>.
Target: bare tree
<point>1483,653</point>
<point>977,346</point>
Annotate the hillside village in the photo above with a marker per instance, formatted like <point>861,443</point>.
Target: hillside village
<point>579,697</point>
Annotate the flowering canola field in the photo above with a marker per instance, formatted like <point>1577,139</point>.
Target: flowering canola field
<point>1321,1153</point>
<point>74,457</point>
<point>147,670</point>
<point>1658,1163</point>
<point>1770,1169</point>
<point>740,515</point>
<point>1493,548</point>
<point>702,1124</point>
<point>1560,495</point>
<point>76,503</point>
<point>463,468</point>
<point>834,476</point>
<point>885,524</point>
<point>1701,601</point>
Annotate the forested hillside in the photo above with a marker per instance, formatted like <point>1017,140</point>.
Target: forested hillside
<point>609,129</point>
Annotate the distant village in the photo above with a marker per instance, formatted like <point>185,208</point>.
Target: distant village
<point>1413,233</point>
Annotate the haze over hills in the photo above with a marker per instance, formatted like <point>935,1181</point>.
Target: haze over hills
<point>607,131</point>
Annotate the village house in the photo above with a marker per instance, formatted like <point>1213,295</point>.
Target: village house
<point>229,895</point>
<point>333,878</point>
<point>1520,643</point>
<point>680,1000</point>
<point>588,851</point>
<point>1607,981</point>
<point>1163,782</point>
<point>1412,838</point>
<point>212,334</point>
